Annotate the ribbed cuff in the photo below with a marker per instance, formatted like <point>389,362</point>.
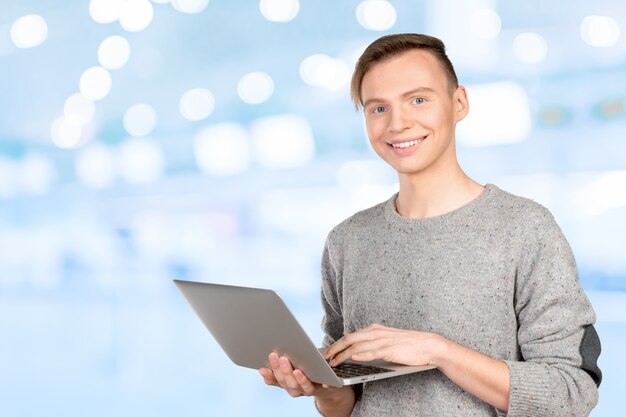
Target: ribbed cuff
<point>530,393</point>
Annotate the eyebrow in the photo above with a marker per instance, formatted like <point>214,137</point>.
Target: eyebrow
<point>403,95</point>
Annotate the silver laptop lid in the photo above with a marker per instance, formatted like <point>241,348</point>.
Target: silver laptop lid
<point>249,323</point>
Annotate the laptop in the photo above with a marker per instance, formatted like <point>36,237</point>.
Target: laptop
<point>250,323</point>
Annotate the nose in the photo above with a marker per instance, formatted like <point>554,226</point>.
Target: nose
<point>399,120</point>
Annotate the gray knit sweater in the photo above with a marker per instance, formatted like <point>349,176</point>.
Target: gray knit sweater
<point>495,275</point>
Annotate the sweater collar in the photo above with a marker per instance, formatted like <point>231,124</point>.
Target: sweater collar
<point>452,218</point>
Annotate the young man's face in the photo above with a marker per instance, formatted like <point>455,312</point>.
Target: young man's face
<point>410,114</point>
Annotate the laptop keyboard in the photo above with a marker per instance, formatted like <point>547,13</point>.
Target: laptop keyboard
<point>351,370</point>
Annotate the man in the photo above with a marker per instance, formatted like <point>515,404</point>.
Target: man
<point>478,282</point>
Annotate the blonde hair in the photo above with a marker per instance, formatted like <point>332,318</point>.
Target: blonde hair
<point>393,45</point>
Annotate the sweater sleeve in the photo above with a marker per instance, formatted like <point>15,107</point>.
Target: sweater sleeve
<point>558,373</point>
<point>332,323</point>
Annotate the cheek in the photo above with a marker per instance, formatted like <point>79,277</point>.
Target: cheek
<point>432,118</point>
<point>440,121</point>
<point>375,129</point>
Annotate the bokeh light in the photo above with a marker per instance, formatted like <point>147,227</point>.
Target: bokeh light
<point>279,10</point>
<point>530,48</point>
<point>140,161</point>
<point>29,31</point>
<point>320,70</point>
<point>79,109</point>
<point>190,6</point>
<point>222,149</point>
<point>140,119</point>
<point>196,104</point>
<point>95,166</point>
<point>114,52</point>
<point>490,122</point>
<point>66,132</point>
<point>105,11</point>
<point>378,15</point>
<point>601,194</point>
<point>485,23</point>
<point>136,15</point>
<point>599,31</point>
<point>95,83</point>
<point>255,87</point>
<point>282,142</point>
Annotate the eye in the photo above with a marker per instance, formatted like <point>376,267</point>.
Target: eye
<point>418,100</point>
<point>378,109</point>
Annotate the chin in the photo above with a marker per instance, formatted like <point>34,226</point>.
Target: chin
<point>405,170</point>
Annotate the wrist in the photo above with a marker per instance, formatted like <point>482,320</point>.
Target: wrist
<point>330,395</point>
<point>336,402</point>
<point>440,351</point>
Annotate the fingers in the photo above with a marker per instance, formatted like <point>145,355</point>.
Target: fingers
<point>375,331</point>
<point>275,365</point>
<point>287,371</point>
<point>363,351</point>
<point>307,386</point>
<point>369,355</point>
<point>367,333</point>
<point>268,377</point>
<point>282,374</point>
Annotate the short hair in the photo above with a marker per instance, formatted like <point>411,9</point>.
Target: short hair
<point>393,45</point>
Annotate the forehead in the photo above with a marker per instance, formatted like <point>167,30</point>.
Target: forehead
<point>414,68</point>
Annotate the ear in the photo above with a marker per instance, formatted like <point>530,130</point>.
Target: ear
<point>461,104</point>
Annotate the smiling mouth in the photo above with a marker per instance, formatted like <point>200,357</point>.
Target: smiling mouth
<point>408,143</point>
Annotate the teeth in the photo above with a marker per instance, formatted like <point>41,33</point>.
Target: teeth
<point>407,144</point>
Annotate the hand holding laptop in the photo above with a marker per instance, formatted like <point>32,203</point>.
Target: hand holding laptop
<point>371,343</point>
<point>338,400</point>
<point>282,374</point>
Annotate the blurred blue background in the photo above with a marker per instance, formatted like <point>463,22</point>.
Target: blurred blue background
<point>215,141</point>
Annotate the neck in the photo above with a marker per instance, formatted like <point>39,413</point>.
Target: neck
<point>429,194</point>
